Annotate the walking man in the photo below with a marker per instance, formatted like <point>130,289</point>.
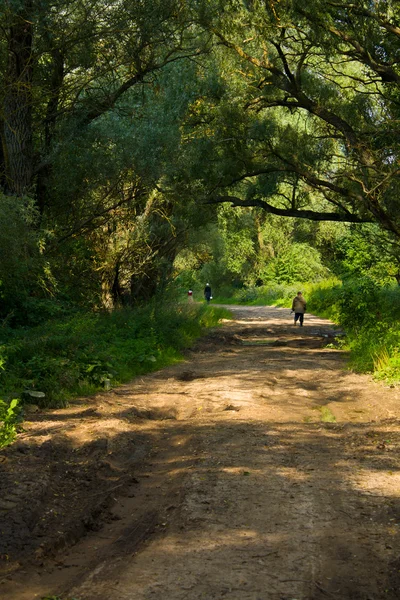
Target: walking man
<point>299,308</point>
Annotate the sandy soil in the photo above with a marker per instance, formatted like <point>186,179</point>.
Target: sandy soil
<point>258,469</point>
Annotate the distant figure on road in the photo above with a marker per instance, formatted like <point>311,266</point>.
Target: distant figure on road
<point>190,296</point>
<point>299,308</point>
<point>207,293</point>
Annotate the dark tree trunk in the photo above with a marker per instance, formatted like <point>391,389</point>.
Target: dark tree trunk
<point>17,110</point>
<point>3,180</point>
<point>116,290</point>
<point>44,172</point>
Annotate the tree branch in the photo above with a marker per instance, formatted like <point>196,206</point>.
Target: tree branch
<point>370,14</point>
<point>290,212</point>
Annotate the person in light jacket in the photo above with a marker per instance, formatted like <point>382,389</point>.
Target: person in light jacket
<point>299,308</point>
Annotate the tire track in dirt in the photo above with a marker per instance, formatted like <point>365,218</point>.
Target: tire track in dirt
<point>248,493</point>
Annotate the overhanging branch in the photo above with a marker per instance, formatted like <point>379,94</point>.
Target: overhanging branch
<point>290,212</point>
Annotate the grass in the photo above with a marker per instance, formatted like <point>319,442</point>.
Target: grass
<point>327,415</point>
<point>273,294</point>
<point>87,352</point>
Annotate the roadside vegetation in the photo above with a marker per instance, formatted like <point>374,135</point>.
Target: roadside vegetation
<point>170,149</point>
<point>81,354</point>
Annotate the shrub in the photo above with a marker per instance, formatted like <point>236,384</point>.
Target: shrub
<point>9,417</point>
<point>369,315</point>
<point>79,354</point>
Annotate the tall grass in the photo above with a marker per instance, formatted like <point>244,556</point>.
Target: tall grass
<point>369,315</point>
<point>276,294</point>
<point>87,352</point>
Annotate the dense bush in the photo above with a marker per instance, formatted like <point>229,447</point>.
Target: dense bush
<point>83,353</point>
<point>369,314</point>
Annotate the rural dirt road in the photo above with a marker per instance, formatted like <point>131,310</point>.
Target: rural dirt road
<point>258,469</point>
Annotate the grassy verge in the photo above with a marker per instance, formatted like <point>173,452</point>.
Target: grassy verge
<point>79,355</point>
<point>274,294</point>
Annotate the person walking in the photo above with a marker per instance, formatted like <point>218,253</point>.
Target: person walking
<point>207,293</point>
<point>299,306</point>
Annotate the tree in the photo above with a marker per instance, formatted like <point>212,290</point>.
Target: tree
<point>66,64</point>
<point>85,134</point>
<point>368,252</point>
<point>308,123</point>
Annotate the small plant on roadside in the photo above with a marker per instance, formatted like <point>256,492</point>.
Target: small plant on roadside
<point>327,415</point>
<point>97,371</point>
<point>9,417</point>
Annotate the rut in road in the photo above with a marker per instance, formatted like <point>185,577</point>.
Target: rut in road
<point>275,476</point>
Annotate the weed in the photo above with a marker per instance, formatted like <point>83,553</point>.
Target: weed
<point>327,415</point>
<point>9,418</point>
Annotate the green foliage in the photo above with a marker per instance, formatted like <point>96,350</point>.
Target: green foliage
<point>20,265</point>
<point>369,314</point>
<point>102,122</point>
<point>314,146</point>
<point>79,354</point>
<point>276,294</point>
<point>246,249</point>
<point>367,252</point>
<point>324,299</point>
<point>387,365</point>
<point>359,304</point>
<point>297,262</point>
<point>9,418</point>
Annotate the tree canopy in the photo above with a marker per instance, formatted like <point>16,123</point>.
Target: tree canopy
<point>125,124</point>
<point>308,124</point>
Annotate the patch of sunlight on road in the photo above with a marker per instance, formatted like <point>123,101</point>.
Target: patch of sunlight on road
<point>380,483</point>
<point>243,471</point>
<point>234,538</point>
<point>292,473</point>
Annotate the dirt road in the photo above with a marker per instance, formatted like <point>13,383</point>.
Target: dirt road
<point>259,469</point>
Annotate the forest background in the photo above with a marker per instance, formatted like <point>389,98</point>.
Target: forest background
<point>150,146</point>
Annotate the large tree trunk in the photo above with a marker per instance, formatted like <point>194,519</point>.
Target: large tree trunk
<point>17,111</point>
